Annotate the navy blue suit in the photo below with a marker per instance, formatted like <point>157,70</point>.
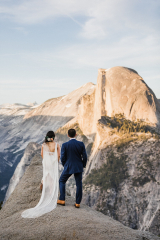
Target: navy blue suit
<point>74,159</point>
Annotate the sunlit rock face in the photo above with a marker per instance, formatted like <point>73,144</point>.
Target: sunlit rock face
<point>124,91</point>
<point>86,113</point>
<point>119,90</point>
<point>66,106</point>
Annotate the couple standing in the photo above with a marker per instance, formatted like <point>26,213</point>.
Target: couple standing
<point>73,158</point>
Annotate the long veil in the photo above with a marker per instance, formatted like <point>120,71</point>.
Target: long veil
<point>48,200</point>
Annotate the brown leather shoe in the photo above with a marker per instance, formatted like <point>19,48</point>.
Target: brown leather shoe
<point>41,187</point>
<point>77,205</point>
<point>61,202</point>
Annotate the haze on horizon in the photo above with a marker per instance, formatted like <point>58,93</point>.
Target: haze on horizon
<point>49,48</point>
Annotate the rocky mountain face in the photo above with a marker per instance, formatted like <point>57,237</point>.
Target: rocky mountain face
<point>20,124</point>
<point>11,116</point>
<point>122,175</point>
<point>31,150</point>
<point>119,90</point>
<point>125,184</point>
<point>61,223</point>
<point>118,120</point>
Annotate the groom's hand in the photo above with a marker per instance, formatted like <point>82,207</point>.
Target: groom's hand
<point>63,155</point>
<point>84,156</point>
<point>84,165</point>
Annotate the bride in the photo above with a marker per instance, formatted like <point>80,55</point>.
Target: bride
<point>50,153</point>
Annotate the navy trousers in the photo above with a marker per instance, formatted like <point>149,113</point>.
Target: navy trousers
<point>62,185</point>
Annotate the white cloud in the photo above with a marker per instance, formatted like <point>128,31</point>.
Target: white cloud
<point>34,11</point>
<point>21,29</point>
<point>104,17</point>
<point>128,51</point>
<point>93,29</point>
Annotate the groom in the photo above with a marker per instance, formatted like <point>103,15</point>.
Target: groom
<point>74,159</point>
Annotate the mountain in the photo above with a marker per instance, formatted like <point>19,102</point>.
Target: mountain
<point>125,184</point>
<point>32,104</point>
<point>120,90</point>
<point>21,124</point>
<point>31,150</point>
<point>119,121</point>
<point>63,222</point>
<point>11,116</point>
<point>122,177</point>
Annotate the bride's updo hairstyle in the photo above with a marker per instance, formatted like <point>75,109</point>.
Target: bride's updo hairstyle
<point>48,137</point>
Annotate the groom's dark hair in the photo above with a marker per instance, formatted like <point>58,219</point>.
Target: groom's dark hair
<point>71,133</point>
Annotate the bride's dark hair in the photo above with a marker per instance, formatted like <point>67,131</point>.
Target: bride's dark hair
<point>49,135</point>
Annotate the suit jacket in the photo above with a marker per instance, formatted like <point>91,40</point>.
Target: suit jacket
<point>73,156</point>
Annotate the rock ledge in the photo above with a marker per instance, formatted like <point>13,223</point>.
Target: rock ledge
<point>63,222</point>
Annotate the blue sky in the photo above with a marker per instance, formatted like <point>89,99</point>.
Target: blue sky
<point>49,48</point>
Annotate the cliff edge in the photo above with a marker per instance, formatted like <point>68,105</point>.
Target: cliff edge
<point>63,222</point>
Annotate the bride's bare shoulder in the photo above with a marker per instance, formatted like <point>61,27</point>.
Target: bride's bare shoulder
<point>45,146</point>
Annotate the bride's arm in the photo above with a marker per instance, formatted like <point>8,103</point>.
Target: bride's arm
<point>42,151</point>
<point>58,151</point>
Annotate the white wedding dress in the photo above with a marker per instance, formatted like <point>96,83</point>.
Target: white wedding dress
<point>48,200</point>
